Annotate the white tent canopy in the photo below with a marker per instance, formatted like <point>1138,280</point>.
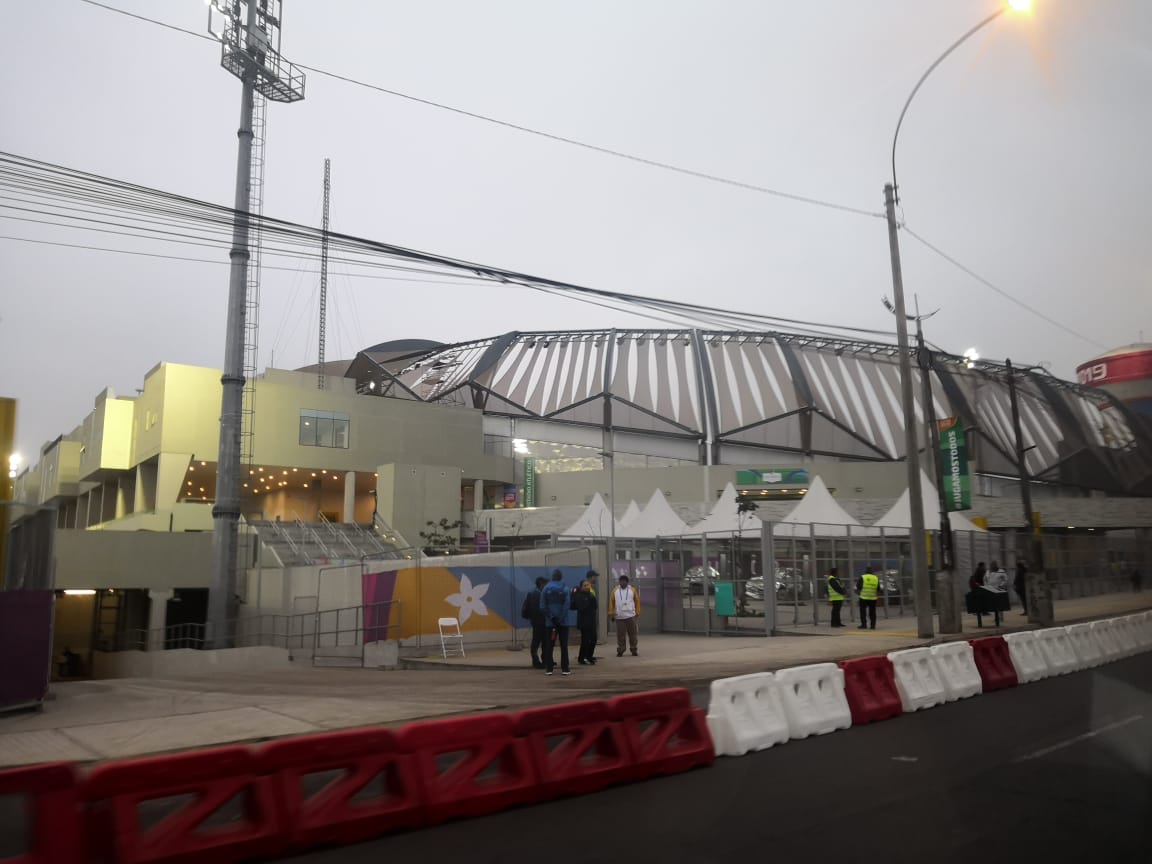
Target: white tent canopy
<point>900,515</point>
<point>725,518</point>
<point>657,519</point>
<point>630,516</point>
<point>821,511</point>
<point>595,521</point>
<point>960,522</point>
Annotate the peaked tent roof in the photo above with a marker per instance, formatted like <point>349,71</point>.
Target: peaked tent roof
<point>900,514</point>
<point>820,510</point>
<point>595,521</point>
<point>726,519</point>
<point>657,519</point>
<point>630,516</point>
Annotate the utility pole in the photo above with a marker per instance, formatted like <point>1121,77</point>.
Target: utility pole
<point>324,273</point>
<point>925,626</point>
<point>250,42</point>
<point>1037,590</point>
<point>951,619</point>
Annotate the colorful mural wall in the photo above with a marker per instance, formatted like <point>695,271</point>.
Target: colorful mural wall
<point>485,599</point>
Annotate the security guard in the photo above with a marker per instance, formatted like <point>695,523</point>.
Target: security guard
<point>867,587</point>
<point>835,595</point>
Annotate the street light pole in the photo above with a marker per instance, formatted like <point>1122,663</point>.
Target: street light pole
<point>920,583</point>
<point>924,621</point>
<point>1039,597</point>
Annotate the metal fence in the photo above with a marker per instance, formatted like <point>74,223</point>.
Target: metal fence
<point>308,633</point>
<point>719,585</point>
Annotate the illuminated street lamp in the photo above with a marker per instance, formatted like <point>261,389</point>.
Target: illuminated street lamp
<point>924,623</point>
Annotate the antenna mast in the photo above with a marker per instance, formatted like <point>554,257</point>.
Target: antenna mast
<point>324,272</point>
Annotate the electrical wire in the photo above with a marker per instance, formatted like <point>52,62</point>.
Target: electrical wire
<point>70,196</point>
<point>550,136</point>
<point>987,284</point>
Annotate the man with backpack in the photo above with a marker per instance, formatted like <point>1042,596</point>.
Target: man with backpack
<point>555,601</point>
<point>531,612</point>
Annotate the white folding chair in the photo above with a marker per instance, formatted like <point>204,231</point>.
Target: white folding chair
<point>451,639</point>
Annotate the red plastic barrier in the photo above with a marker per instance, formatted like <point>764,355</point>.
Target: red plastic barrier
<point>576,747</point>
<point>351,807</point>
<point>469,766</point>
<point>870,685</point>
<point>665,733</point>
<point>54,832</point>
<point>200,821</point>
<point>994,663</point>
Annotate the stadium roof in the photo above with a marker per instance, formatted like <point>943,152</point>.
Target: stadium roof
<point>780,392</point>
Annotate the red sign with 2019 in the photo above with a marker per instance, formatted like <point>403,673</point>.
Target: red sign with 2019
<point>1122,367</point>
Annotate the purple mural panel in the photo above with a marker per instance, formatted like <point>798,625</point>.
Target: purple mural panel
<point>26,646</point>
<point>378,591</point>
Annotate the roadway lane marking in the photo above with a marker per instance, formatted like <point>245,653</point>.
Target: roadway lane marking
<point>1119,724</point>
<point>905,758</point>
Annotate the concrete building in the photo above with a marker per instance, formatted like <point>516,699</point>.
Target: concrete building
<point>514,434</point>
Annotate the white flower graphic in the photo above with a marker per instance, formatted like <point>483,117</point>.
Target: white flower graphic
<point>469,599</point>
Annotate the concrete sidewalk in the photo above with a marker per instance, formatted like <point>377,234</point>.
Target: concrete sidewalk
<point>90,721</point>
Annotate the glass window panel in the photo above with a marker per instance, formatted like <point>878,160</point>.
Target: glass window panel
<point>307,430</point>
<point>340,433</point>
<point>323,431</point>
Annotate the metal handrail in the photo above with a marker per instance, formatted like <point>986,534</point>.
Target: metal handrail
<point>271,630</point>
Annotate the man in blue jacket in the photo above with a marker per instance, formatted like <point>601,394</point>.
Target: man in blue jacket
<point>555,601</point>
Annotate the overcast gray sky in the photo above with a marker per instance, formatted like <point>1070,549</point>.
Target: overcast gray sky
<point>1025,156</point>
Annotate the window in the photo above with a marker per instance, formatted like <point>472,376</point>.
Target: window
<point>323,429</point>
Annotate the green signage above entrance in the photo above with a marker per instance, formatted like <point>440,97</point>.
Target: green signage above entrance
<point>772,477</point>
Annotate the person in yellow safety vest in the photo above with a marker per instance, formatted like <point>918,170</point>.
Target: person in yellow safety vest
<point>867,587</point>
<point>835,595</point>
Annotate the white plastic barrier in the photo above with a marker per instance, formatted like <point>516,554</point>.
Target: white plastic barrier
<point>1087,647</point>
<point>1138,626</point>
<point>1105,634</point>
<point>1125,636</point>
<point>746,713</point>
<point>1026,657</point>
<point>956,665</point>
<point>917,680</point>
<point>1144,622</point>
<point>1057,650</point>
<point>814,700</point>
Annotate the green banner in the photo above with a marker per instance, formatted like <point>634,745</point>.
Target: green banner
<point>954,465</point>
<point>529,482</point>
<point>771,476</point>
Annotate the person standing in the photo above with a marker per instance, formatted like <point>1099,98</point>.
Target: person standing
<point>531,612</point>
<point>584,602</point>
<point>555,602</point>
<point>867,588</point>
<point>996,584</point>
<point>977,602</point>
<point>1020,584</point>
<point>835,595</point>
<point>591,578</point>
<point>624,607</point>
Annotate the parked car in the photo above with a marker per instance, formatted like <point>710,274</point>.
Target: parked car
<point>693,581</point>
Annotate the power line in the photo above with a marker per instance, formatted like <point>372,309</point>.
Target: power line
<point>987,284</point>
<point>550,136</point>
<point>136,211</point>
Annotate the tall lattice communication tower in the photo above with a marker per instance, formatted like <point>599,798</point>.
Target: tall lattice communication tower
<point>249,34</point>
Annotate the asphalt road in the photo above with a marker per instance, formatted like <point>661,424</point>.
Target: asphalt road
<point>1058,770</point>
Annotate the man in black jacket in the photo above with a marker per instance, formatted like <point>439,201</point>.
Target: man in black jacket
<point>530,610</point>
<point>835,595</point>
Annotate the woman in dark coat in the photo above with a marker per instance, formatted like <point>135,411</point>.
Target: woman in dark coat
<point>976,602</point>
<point>585,604</point>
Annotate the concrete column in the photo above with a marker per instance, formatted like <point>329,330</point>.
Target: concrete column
<point>478,496</point>
<point>157,616</point>
<point>350,497</point>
